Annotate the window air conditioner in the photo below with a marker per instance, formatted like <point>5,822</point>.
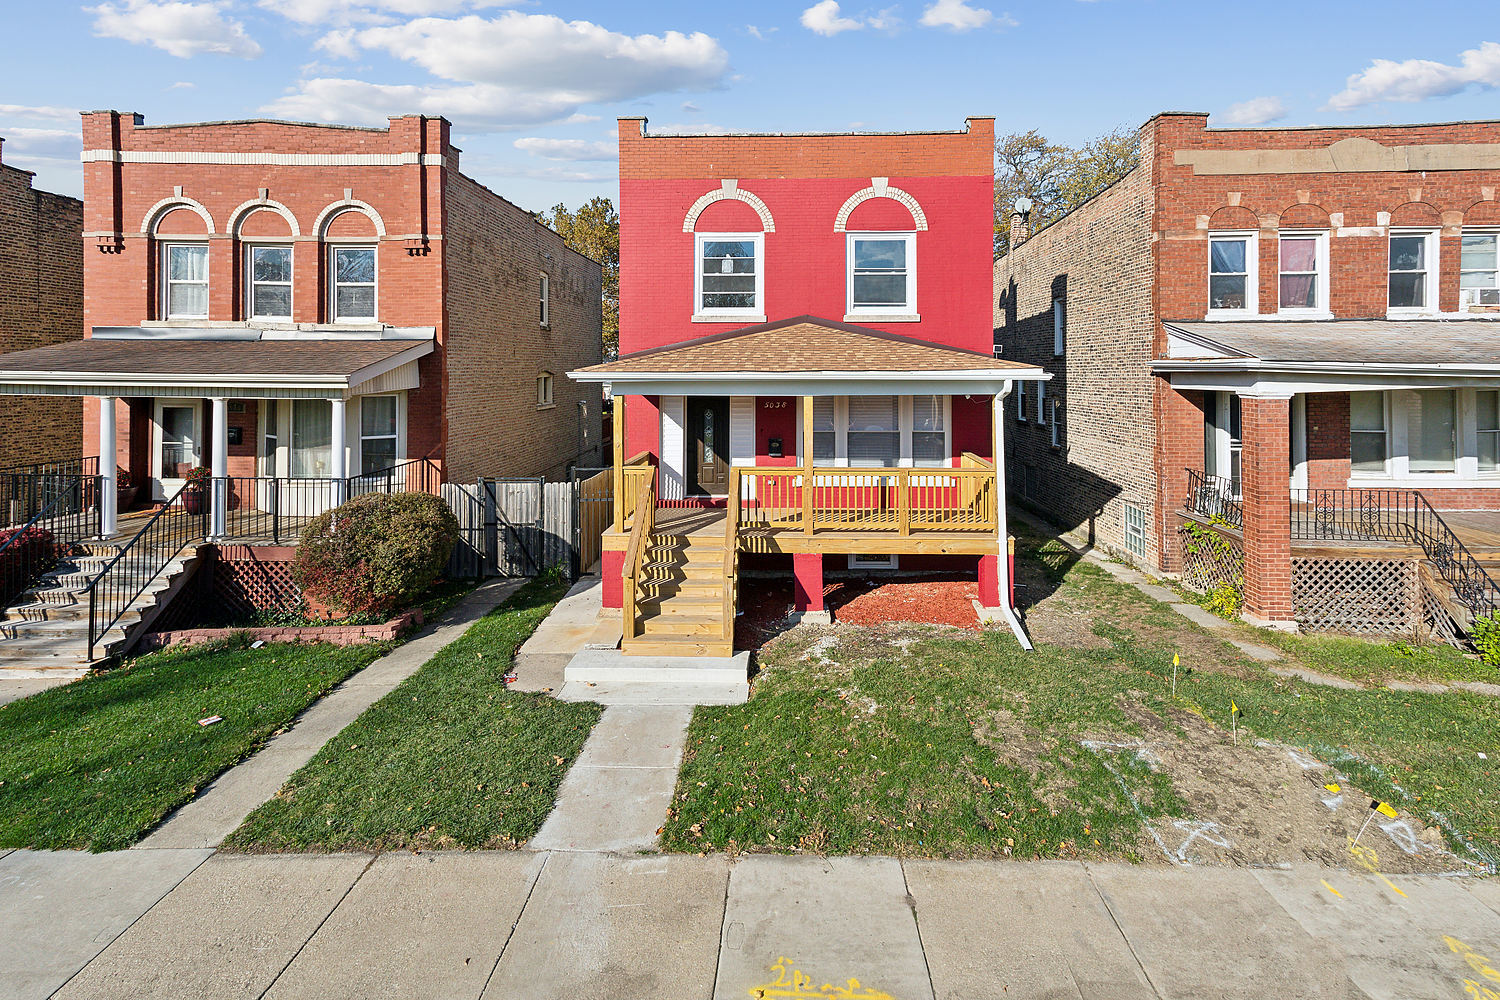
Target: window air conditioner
<point>1481,299</point>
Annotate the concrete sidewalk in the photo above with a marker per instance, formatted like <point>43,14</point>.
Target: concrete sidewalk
<point>233,795</point>
<point>590,925</point>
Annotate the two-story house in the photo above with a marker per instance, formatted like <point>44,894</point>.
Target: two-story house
<point>805,376</point>
<point>1289,333</point>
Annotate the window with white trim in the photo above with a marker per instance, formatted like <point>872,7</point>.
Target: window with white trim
<point>268,282</point>
<point>882,273</point>
<point>377,433</point>
<point>825,431</point>
<point>184,288</point>
<point>874,435</point>
<point>1041,403</point>
<point>883,431</point>
<point>544,290</point>
<point>1231,273</point>
<point>1302,284</point>
<point>1487,429</point>
<point>1134,535</point>
<point>730,279</point>
<point>1478,271</point>
<point>353,288</point>
<point>1367,434</point>
<point>1413,260</point>
<point>1431,428</point>
<point>1021,401</point>
<point>544,389</point>
<point>1059,328</point>
<point>929,431</point>
<point>1056,430</point>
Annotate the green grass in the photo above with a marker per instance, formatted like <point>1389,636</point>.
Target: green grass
<point>96,764</point>
<point>963,745</point>
<point>450,758</point>
<point>1376,662</point>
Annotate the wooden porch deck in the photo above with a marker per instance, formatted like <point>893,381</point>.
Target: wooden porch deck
<point>699,522</point>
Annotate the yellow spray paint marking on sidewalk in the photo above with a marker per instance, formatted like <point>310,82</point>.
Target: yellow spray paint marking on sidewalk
<point>1331,889</point>
<point>1367,857</point>
<point>792,984</point>
<point>1479,964</point>
<point>1333,786</point>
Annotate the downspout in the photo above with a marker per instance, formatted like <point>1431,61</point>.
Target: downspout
<point>1002,562</point>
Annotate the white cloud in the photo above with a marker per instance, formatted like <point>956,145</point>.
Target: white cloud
<point>1256,111</point>
<point>177,28</point>
<point>43,111</point>
<point>42,143</point>
<point>1419,79</point>
<point>569,149</point>
<point>824,18</point>
<point>476,107</point>
<point>760,34</point>
<point>182,85</point>
<point>691,108</point>
<point>959,16</point>
<point>370,11</point>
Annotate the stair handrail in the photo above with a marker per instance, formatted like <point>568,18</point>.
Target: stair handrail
<point>135,580</point>
<point>640,533</point>
<point>1471,583</point>
<point>731,554</point>
<point>18,535</point>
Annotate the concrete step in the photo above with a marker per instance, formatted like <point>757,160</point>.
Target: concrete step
<point>70,671</point>
<point>662,662</point>
<point>40,611</point>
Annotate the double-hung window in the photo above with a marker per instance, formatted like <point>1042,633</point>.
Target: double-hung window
<point>874,431</point>
<point>269,282</point>
<point>882,431</point>
<point>825,430</point>
<point>1479,289</point>
<point>730,275</point>
<point>1487,429</point>
<point>1413,259</point>
<point>544,294</point>
<point>929,431</point>
<point>1021,402</point>
<point>544,389</point>
<point>1367,433</point>
<point>353,285</point>
<point>1059,328</point>
<point>1303,280</point>
<point>185,280</point>
<point>1231,274</point>
<point>882,274</point>
<point>377,433</point>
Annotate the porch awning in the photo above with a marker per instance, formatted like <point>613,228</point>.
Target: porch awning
<point>1331,355</point>
<point>808,356</point>
<point>215,366</point>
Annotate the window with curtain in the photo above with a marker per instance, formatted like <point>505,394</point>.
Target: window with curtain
<point>729,277</point>
<point>377,433</point>
<point>270,282</point>
<point>1487,426</point>
<point>1431,427</point>
<point>312,438</point>
<point>185,278</point>
<point>1409,262</point>
<point>874,431</point>
<point>1479,270</point>
<point>929,438</point>
<point>1367,435</point>
<point>1299,280</point>
<point>825,435</point>
<point>1230,259</point>
<point>353,283</point>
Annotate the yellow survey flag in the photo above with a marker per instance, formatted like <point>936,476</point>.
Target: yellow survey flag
<point>1175,661</point>
<point>1233,708</point>
<point>1385,810</point>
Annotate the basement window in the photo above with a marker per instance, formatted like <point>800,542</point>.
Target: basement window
<point>1135,530</point>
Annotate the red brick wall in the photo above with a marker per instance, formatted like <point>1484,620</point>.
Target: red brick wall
<point>1328,440</point>
<point>1268,530</point>
<point>41,303</point>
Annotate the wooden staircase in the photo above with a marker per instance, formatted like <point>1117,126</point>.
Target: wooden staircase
<point>679,607</point>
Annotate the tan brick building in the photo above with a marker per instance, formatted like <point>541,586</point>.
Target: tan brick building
<point>282,301</point>
<point>1289,328</point>
<point>41,303</point>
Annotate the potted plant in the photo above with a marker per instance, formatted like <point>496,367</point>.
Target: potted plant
<point>125,490</point>
<point>196,489</point>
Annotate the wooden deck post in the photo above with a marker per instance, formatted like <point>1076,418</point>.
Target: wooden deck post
<point>807,464</point>
<point>618,443</point>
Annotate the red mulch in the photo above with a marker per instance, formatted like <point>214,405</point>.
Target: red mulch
<point>767,604</point>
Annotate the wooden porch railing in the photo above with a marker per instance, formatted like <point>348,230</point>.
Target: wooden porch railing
<point>642,524</point>
<point>637,475</point>
<point>731,557</point>
<point>869,499</point>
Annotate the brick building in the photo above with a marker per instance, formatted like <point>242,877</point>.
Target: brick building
<point>281,301</point>
<point>1292,328</point>
<point>41,303</point>
<point>805,366</point>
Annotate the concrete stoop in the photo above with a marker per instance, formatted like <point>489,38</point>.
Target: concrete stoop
<point>610,676</point>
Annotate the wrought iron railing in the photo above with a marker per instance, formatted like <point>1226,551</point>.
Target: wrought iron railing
<point>23,495</point>
<point>276,508</point>
<point>32,549</point>
<point>1215,497</point>
<point>177,524</point>
<point>85,466</point>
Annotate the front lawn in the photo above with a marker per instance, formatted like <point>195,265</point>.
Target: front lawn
<point>922,741</point>
<point>96,764</point>
<point>450,758</point>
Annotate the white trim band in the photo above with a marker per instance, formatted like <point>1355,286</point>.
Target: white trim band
<point>264,159</point>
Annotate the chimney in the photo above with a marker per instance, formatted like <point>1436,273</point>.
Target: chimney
<point>1020,228</point>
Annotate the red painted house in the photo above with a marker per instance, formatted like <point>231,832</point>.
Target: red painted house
<point>795,311</point>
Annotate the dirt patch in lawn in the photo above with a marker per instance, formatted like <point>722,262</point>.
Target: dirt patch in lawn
<point>1256,803</point>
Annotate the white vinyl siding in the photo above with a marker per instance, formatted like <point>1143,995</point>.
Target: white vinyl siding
<point>673,448</point>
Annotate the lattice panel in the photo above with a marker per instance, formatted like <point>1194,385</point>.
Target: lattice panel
<point>248,585</point>
<point>1357,596</point>
<point>1206,565</point>
<point>1437,623</point>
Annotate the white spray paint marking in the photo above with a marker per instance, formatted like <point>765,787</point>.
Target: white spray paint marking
<point>1135,803</point>
<point>1305,762</point>
<point>1199,829</point>
<point>1334,802</point>
<point>1402,834</point>
<point>817,650</point>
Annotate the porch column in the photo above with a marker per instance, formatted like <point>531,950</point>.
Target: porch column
<point>218,518</point>
<point>807,587</point>
<point>1265,468</point>
<point>805,446</point>
<point>108,501</point>
<point>336,465</point>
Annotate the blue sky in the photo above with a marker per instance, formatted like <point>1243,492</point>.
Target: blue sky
<point>533,86</point>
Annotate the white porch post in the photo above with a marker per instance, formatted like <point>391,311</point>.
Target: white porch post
<point>336,465</point>
<point>108,500</point>
<point>218,521</point>
<point>1002,570</point>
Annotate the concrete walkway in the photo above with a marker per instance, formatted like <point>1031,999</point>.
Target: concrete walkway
<point>233,795</point>
<point>16,688</point>
<point>566,925</point>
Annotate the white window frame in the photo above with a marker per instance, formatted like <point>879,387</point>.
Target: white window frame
<point>1053,424</point>
<point>1493,234</point>
<point>544,294</point>
<point>905,424</point>
<point>1138,529</point>
<point>1432,271</point>
<point>544,390</point>
<point>909,311</point>
<point>397,435</point>
<point>1478,472</point>
<point>165,291</point>
<point>248,250</point>
<point>1398,472</point>
<point>755,312</point>
<point>1252,273</point>
<point>1319,310</point>
<point>1041,404</point>
<point>334,284</point>
<point>1020,402</point>
<point>1059,327</point>
<point>872,560</point>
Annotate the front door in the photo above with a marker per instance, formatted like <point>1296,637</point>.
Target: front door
<point>708,445</point>
<point>178,433</point>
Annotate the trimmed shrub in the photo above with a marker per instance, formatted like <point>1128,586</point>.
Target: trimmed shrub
<point>375,553</point>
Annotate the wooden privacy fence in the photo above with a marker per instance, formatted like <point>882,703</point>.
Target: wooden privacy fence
<point>525,527</point>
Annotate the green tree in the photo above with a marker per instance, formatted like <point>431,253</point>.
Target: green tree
<point>1056,178</point>
<point>594,231</point>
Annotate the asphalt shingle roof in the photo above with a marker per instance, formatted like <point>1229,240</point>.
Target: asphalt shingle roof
<point>1354,341</point>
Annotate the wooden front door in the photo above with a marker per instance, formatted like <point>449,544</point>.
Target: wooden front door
<point>708,445</point>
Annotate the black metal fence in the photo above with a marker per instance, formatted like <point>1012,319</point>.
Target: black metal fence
<point>276,508</point>
<point>1215,497</point>
<point>30,550</point>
